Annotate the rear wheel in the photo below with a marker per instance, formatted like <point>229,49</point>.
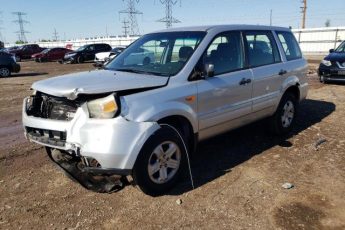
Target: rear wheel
<point>160,162</point>
<point>5,71</point>
<point>80,59</point>
<point>284,118</point>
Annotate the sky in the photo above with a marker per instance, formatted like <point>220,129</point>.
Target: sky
<point>90,18</point>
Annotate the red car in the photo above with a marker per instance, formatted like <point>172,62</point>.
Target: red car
<point>52,54</point>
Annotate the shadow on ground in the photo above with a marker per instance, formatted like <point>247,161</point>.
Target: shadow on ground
<point>217,156</point>
<point>28,74</point>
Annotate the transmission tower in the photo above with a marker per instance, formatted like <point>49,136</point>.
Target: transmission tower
<point>132,13</point>
<point>169,19</point>
<point>1,38</point>
<point>55,35</point>
<point>21,33</point>
<point>125,27</point>
<point>304,12</point>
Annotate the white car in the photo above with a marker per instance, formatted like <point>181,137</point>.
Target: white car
<point>104,56</point>
<point>141,117</point>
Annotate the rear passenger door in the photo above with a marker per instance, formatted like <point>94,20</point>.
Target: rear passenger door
<point>224,98</point>
<point>268,70</point>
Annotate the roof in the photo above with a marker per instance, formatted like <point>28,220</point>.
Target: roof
<point>224,27</point>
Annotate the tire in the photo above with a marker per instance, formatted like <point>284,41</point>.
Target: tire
<point>322,80</point>
<point>164,177</point>
<point>80,59</point>
<point>283,119</point>
<point>5,71</point>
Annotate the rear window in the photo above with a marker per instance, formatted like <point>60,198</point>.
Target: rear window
<point>290,45</point>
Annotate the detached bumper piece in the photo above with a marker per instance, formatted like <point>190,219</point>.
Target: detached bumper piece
<point>89,176</point>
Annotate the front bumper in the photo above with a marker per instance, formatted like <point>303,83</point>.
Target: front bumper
<point>114,143</point>
<point>331,73</point>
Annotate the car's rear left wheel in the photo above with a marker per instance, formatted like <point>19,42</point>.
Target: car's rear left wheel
<point>5,72</point>
<point>160,162</point>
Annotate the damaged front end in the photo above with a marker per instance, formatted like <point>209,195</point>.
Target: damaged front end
<point>87,172</point>
<point>97,153</point>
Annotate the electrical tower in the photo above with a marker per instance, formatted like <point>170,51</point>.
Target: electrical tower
<point>21,33</point>
<point>132,13</point>
<point>304,12</point>
<point>169,19</point>
<point>125,27</point>
<point>55,35</point>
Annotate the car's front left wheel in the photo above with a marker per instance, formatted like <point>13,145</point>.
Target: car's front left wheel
<point>160,162</point>
<point>4,71</point>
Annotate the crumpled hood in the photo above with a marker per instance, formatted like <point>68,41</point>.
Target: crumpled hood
<point>96,82</point>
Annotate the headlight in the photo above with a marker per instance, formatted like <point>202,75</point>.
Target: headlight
<point>103,108</point>
<point>326,62</point>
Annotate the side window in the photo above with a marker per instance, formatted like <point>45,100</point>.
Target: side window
<point>290,45</point>
<point>262,49</point>
<point>225,53</point>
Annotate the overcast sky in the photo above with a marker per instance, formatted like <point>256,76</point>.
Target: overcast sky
<point>88,18</point>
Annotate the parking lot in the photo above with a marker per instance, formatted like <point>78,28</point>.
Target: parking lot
<point>238,176</point>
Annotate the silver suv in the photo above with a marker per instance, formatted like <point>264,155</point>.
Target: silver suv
<point>151,105</point>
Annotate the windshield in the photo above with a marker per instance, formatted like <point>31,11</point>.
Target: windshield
<point>162,54</point>
<point>46,51</point>
<point>341,48</point>
<point>81,48</point>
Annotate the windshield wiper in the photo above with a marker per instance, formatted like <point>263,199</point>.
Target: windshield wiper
<point>139,71</point>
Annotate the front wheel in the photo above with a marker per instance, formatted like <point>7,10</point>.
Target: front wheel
<point>160,162</point>
<point>80,59</point>
<point>4,72</point>
<point>284,118</point>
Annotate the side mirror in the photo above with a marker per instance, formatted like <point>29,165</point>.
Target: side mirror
<point>331,50</point>
<point>209,70</point>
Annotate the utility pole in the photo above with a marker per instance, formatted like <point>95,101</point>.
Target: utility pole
<point>304,12</point>
<point>132,13</point>
<point>21,33</point>
<point>271,17</point>
<point>55,35</point>
<point>125,27</point>
<point>169,19</point>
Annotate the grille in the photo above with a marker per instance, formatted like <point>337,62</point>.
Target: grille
<point>51,137</point>
<point>51,107</point>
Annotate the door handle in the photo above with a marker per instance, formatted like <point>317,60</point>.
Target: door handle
<point>245,81</point>
<point>282,72</point>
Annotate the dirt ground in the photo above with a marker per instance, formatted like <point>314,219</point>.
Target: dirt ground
<point>238,176</point>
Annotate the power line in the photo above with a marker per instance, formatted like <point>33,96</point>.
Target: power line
<point>132,13</point>
<point>304,12</point>
<point>169,19</point>
<point>21,33</point>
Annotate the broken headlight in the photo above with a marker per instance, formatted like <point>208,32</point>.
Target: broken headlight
<point>103,108</point>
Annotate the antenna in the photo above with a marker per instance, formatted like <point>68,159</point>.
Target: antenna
<point>21,33</point>
<point>132,16</point>
<point>169,19</point>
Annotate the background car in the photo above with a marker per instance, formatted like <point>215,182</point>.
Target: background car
<point>8,64</point>
<point>104,57</point>
<point>86,53</point>
<point>332,67</point>
<point>141,56</point>
<point>25,51</point>
<point>52,54</point>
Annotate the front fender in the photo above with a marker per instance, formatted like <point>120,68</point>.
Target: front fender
<point>172,108</point>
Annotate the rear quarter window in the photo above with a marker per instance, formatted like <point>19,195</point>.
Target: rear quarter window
<point>290,45</point>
